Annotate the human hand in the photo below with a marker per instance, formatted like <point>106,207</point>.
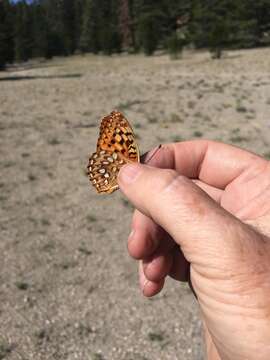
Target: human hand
<point>205,208</point>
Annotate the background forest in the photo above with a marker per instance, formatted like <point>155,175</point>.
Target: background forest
<point>47,28</point>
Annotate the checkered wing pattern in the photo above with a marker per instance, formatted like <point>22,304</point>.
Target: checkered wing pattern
<point>116,146</point>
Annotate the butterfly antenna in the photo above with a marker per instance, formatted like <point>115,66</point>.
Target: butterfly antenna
<point>154,154</point>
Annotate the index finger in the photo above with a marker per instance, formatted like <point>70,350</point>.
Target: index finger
<point>216,164</point>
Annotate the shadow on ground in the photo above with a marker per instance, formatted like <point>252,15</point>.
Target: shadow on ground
<point>33,77</point>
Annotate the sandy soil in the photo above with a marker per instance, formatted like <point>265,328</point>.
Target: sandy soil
<point>68,289</point>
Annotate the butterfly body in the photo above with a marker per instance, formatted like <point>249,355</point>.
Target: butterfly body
<point>116,146</point>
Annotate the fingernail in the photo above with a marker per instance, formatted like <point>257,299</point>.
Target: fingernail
<point>146,282</point>
<point>131,235</point>
<point>129,173</point>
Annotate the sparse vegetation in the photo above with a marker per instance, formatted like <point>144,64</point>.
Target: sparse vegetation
<point>152,119</point>
<point>197,134</point>
<point>238,139</point>
<point>32,177</point>
<point>191,104</point>
<point>84,250</point>
<point>5,350</point>
<point>175,118</point>
<point>198,114</point>
<point>91,218</point>
<point>25,155</point>
<point>138,125</point>
<point>84,329</point>
<point>45,222</point>
<point>22,285</point>
<point>68,264</point>
<point>49,246</point>
<point>241,109</point>
<point>9,163</point>
<point>176,138</point>
<point>97,356</point>
<point>42,335</point>
<point>267,155</point>
<point>227,106</point>
<point>128,104</point>
<point>127,204</point>
<point>156,337</point>
<point>54,141</point>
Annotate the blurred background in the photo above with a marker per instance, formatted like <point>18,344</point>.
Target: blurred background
<point>178,70</point>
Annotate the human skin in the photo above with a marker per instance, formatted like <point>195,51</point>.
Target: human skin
<point>203,210</point>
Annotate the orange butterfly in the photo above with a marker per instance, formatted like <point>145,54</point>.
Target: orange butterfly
<point>116,146</point>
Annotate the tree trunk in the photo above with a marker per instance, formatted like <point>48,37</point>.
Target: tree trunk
<point>125,25</point>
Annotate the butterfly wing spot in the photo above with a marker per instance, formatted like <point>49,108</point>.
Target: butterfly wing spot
<point>118,138</point>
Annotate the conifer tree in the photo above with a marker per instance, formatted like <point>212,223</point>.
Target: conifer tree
<point>68,26</point>
<point>40,32</point>
<point>149,21</point>
<point>215,24</point>
<point>79,9</point>
<point>53,11</point>
<point>3,49</point>
<point>6,34</point>
<point>89,40</point>
<point>256,15</point>
<point>23,32</point>
<point>108,30</point>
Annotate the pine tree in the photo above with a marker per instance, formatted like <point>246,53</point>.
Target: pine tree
<point>53,14</point>
<point>79,9</point>
<point>149,23</point>
<point>40,32</point>
<point>108,29</point>
<point>68,26</point>
<point>3,49</point>
<point>89,41</point>
<point>256,15</point>
<point>216,24</point>
<point>23,32</point>
<point>6,34</point>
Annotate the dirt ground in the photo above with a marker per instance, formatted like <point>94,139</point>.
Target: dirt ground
<point>68,289</point>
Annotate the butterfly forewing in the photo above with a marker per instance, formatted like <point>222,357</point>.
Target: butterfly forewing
<point>116,146</point>
<point>117,135</point>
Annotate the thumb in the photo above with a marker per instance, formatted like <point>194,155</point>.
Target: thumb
<point>205,231</point>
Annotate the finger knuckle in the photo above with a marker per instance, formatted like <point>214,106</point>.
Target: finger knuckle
<point>171,182</point>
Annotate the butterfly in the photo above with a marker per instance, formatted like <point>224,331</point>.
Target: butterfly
<point>116,146</point>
